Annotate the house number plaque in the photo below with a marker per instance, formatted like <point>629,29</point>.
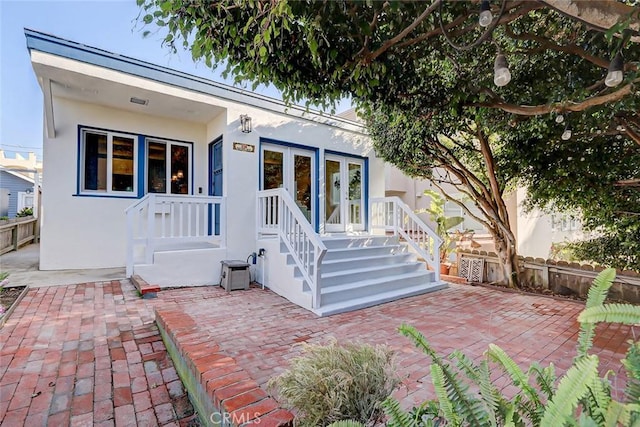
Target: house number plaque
<point>244,147</point>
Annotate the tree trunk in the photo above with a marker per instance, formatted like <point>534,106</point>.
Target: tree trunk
<point>508,258</point>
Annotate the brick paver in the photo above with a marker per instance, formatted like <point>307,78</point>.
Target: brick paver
<point>261,331</point>
<point>87,355</point>
<point>91,354</point>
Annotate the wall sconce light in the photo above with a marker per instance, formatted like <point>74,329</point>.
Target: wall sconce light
<point>180,174</point>
<point>245,123</point>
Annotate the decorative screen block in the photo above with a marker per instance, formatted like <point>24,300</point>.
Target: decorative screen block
<point>472,269</point>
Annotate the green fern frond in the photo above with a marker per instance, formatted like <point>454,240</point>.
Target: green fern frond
<point>419,341</point>
<point>595,298</point>
<point>631,363</point>
<point>600,288</point>
<point>457,391</point>
<point>397,417</point>
<point>612,313</point>
<point>519,379</point>
<point>545,378</point>
<point>571,389</point>
<point>597,400</point>
<point>446,406</point>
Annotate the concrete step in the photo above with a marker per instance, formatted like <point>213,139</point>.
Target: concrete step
<point>359,261</point>
<point>358,241</point>
<point>363,288</point>
<point>368,273</point>
<point>376,299</point>
<point>366,251</point>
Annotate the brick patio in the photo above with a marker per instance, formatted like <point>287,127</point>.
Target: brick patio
<point>90,354</point>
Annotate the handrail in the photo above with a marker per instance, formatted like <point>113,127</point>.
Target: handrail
<point>157,218</point>
<point>293,228</point>
<point>392,214</point>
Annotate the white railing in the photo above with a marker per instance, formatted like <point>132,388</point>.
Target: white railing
<point>156,220</point>
<point>279,214</point>
<point>392,215</point>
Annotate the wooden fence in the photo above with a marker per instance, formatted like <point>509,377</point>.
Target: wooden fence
<point>17,232</point>
<point>558,276</point>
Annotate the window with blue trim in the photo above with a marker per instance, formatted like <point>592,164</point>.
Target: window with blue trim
<point>108,162</point>
<point>168,167</point>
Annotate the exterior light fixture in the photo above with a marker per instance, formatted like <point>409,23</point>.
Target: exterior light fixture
<point>485,14</point>
<point>502,75</point>
<point>615,73</point>
<point>566,135</point>
<point>559,118</point>
<point>139,101</point>
<point>245,123</point>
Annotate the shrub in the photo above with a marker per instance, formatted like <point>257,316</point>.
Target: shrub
<point>329,383</point>
<point>467,396</point>
<point>25,212</point>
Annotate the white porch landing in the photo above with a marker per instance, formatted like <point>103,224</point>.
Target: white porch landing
<point>195,264</point>
<point>356,272</point>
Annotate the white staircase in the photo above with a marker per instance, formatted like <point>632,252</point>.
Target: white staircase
<point>363,271</point>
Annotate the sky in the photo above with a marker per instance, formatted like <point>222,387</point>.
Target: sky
<point>106,24</point>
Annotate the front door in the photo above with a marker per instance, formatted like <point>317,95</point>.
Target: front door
<point>215,179</point>
<point>344,194</point>
<point>293,169</point>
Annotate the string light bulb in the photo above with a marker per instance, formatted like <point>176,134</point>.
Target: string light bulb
<point>502,75</point>
<point>559,118</point>
<point>485,14</point>
<point>615,73</point>
<point>566,135</point>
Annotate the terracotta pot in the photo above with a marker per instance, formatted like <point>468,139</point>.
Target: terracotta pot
<point>444,268</point>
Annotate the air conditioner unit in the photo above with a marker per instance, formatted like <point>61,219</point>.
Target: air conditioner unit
<point>235,275</point>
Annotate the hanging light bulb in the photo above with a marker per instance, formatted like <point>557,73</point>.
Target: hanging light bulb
<point>615,73</point>
<point>502,75</point>
<point>566,135</point>
<point>485,14</point>
<point>559,118</point>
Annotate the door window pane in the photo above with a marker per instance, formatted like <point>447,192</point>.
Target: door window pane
<point>272,170</point>
<point>302,184</point>
<point>355,193</point>
<point>157,167</point>
<point>332,192</point>
<point>179,169</point>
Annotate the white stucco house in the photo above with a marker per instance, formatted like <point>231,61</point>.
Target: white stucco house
<point>169,174</point>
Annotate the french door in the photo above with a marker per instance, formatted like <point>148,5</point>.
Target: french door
<point>293,169</point>
<point>344,194</point>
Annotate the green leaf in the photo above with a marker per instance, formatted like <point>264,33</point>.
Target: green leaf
<point>571,389</point>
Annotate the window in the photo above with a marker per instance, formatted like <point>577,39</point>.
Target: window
<point>108,162</point>
<point>560,222</point>
<point>168,167</point>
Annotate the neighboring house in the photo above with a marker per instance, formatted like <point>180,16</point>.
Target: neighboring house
<point>169,174</point>
<point>535,231</point>
<point>16,192</point>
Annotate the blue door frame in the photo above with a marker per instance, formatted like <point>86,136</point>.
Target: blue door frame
<point>215,179</point>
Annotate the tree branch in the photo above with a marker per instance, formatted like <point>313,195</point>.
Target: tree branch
<point>558,107</point>
<point>389,43</point>
<point>463,206</point>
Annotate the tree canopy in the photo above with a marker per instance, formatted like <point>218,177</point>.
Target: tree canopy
<point>429,104</point>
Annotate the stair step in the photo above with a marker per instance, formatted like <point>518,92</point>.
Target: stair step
<point>354,290</point>
<point>367,251</point>
<point>365,273</point>
<point>357,261</point>
<point>358,241</point>
<point>376,299</point>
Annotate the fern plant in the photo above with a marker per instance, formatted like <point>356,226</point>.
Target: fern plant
<point>466,395</point>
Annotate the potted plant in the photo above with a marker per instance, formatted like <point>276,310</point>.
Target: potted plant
<point>443,225</point>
